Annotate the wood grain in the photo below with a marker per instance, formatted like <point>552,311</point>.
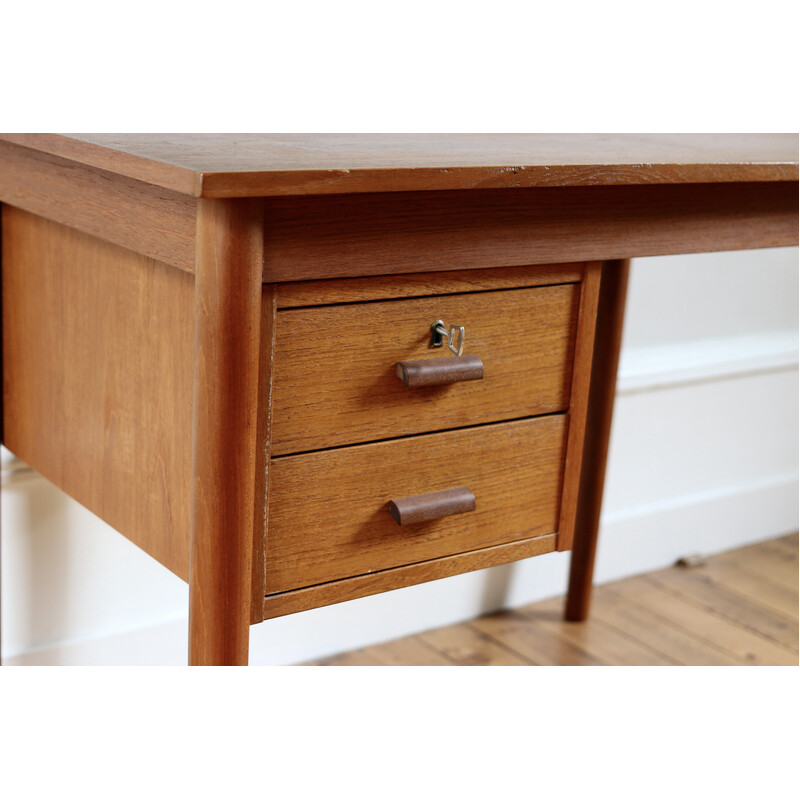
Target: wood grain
<point>646,625</point>
<point>97,357</point>
<point>598,639</point>
<point>335,381</point>
<point>328,510</point>
<point>276,605</point>
<point>579,403</point>
<point>750,572</point>
<point>392,287</point>
<point>602,390</point>
<point>536,643</point>
<point>774,566</point>
<point>736,640</point>
<point>228,310</point>
<point>469,647</point>
<point>235,165</point>
<point>788,545</point>
<point>703,590</point>
<point>405,652</point>
<point>754,587</point>
<point>310,238</point>
<point>152,221</point>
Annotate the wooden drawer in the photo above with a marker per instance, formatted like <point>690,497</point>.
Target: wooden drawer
<point>334,367</point>
<point>328,511</point>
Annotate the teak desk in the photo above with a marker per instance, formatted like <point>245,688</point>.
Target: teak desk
<point>222,344</point>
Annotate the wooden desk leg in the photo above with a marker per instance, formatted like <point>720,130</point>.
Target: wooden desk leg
<point>610,314</point>
<point>226,358</point>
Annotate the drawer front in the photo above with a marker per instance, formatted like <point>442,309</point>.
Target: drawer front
<point>329,511</point>
<point>335,379</point>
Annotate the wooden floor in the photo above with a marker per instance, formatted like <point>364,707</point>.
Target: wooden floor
<point>736,608</point>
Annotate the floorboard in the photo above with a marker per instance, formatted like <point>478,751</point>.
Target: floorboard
<point>736,608</point>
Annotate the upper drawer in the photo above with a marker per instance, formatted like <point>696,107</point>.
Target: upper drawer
<point>335,381</point>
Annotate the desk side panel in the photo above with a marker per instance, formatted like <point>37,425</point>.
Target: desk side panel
<point>97,377</point>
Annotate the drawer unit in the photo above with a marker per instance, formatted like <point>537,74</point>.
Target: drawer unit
<point>329,512</point>
<point>335,379</point>
<point>348,439</point>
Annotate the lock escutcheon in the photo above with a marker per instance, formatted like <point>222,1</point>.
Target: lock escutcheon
<point>455,336</point>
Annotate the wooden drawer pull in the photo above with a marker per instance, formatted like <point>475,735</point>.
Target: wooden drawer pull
<point>422,507</point>
<point>436,371</point>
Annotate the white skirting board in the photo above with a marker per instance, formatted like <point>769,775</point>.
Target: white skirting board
<point>703,459</point>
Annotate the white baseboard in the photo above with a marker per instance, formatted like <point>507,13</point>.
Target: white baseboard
<point>647,369</point>
<point>633,541</point>
<point>163,644</point>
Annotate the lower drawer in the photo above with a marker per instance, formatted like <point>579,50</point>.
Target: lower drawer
<point>329,511</point>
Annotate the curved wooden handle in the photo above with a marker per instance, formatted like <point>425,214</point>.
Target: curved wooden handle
<point>422,507</point>
<point>436,371</point>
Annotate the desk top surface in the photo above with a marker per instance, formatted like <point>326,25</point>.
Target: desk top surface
<point>250,165</point>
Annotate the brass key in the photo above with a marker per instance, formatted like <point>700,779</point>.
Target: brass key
<point>455,336</point>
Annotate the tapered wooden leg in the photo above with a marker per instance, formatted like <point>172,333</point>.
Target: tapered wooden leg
<point>226,361</point>
<point>610,314</point>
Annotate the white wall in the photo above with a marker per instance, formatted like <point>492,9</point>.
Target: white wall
<point>703,459</point>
